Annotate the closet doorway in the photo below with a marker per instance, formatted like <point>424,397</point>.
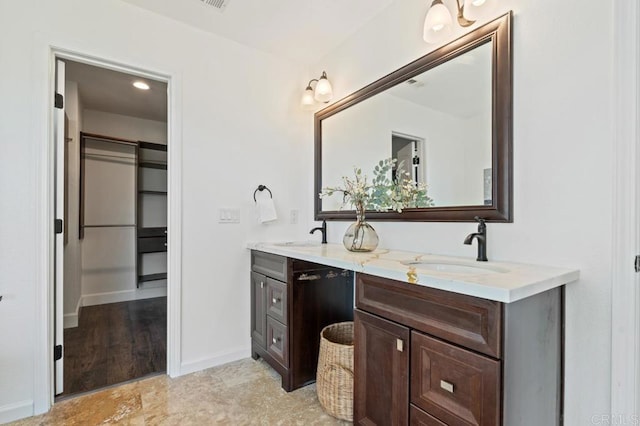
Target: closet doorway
<point>112,259</point>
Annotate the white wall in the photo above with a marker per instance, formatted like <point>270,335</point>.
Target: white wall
<point>108,254</point>
<point>72,250</point>
<point>125,127</point>
<point>109,258</point>
<point>457,149</point>
<point>237,132</point>
<point>563,135</point>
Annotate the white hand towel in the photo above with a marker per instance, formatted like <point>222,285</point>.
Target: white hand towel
<point>266,210</point>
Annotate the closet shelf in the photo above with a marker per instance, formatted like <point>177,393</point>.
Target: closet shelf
<point>152,277</point>
<point>146,191</point>
<point>160,231</point>
<point>150,239</point>
<point>152,165</point>
<point>151,145</point>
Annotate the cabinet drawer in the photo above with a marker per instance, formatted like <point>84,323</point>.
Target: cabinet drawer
<point>417,417</point>
<point>466,320</point>
<point>457,386</point>
<point>277,342</point>
<point>152,232</point>
<point>152,244</point>
<point>277,300</point>
<point>269,264</point>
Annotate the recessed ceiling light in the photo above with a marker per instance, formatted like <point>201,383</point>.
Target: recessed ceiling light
<point>141,85</point>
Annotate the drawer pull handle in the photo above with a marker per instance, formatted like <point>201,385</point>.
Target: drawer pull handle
<point>165,231</point>
<point>400,345</point>
<point>275,300</point>
<point>261,284</point>
<point>165,244</point>
<point>305,277</point>
<point>446,386</point>
<point>275,340</point>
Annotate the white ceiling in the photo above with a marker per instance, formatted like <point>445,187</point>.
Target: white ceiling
<point>300,30</point>
<point>460,87</point>
<point>111,91</point>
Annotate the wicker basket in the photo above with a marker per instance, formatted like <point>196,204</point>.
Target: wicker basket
<point>335,370</point>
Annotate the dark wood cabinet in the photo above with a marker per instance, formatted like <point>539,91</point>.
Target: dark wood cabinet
<point>417,417</point>
<point>151,201</point>
<point>277,300</point>
<point>458,386</point>
<point>291,302</point>
<point>258,306</point>
<point>381,368</point>
<point>464,360</point>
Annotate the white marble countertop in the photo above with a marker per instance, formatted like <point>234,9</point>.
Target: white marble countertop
<point>500,281</point>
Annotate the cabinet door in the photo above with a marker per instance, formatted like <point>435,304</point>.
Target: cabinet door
<point>381,371</point>
<point>258,309</point>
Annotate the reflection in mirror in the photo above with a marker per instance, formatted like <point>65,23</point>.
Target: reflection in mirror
<point>448,115</point>
<point>438,125</point>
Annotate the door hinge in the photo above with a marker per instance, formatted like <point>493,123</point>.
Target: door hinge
<point>636,264</point>
<point>59,101</point>
<point>58,226</point>
<point>57,352</point>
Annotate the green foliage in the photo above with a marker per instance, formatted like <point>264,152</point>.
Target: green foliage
<point>383,193</point>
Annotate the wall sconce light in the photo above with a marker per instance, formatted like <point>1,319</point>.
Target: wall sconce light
<point>438,22</point>
<point>322,93</point>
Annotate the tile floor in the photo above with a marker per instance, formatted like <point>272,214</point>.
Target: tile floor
<point>244,392</point>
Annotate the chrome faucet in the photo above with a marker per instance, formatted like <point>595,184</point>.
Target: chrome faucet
<point>322,229</point>
<point>481,236</point>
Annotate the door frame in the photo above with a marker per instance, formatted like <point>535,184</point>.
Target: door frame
<point>625,292</point>
<point>46,55</point>
<point>421,149</point>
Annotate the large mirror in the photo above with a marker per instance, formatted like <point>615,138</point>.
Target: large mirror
<point>445,117</point>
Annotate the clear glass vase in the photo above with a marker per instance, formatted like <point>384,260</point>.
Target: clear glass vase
<point>360,236</point>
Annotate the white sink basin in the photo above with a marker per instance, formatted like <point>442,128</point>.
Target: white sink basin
<point>298,244</point>
<point>455,267</point>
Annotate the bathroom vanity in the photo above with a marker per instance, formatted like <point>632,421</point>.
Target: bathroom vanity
<point>438,340</point>
<point>292,300</point>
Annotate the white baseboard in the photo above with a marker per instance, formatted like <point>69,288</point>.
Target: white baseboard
<point>71,320</point>
<point>218,359</point>
<point>123,296</point>
<point>16,411</point>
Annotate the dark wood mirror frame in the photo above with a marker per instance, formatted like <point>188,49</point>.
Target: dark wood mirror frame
<point>497,32</point>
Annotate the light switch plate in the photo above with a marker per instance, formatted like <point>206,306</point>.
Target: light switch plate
<point>229,215</point>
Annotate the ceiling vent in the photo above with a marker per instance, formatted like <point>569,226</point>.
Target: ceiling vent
<point>218,4</point>
<point>415,83</point>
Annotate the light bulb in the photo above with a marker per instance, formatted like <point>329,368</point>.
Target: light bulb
<point>307,98</point>
<point>324,91</point>
<point>437,23</point>
<point>477,9</point>
<point>140,85</point>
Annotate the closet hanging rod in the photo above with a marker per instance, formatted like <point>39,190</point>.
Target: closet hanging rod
<point>110,226</point>
<point>108,139</point>
<point>111,141</point>
<point>122,157</point>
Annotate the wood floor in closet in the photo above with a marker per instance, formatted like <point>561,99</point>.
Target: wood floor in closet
<point>114,343</point>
